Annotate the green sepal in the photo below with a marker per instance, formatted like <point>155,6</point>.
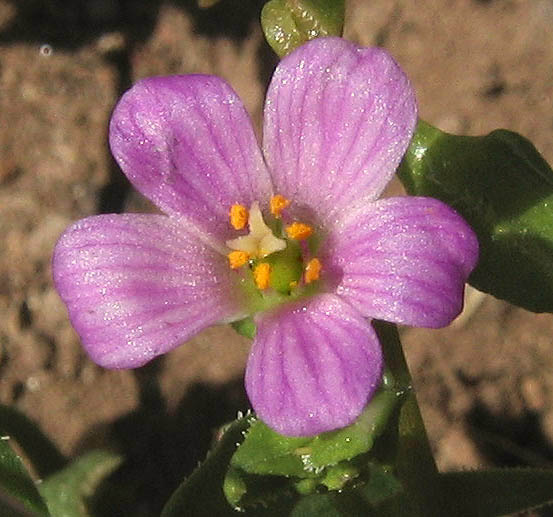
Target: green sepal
<point>287,24</point>
<point>268,465</point>
<point>361,486</point>
<point>69,491</point>
<point>337,476</point>
<point>266,452</point>
<point>234,486</point>
<point>306,486</point>
<point>504,189</point>
<point>19,493</point>
<point>347,443</point>
<point>245,327</point>
<point>249,492</point>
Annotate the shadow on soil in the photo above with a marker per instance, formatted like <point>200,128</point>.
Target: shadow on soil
<point>71,25</point>
<point>509,442</point>
<point>160,447</point>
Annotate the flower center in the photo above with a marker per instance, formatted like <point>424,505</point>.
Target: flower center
<point>276,257</point>
<point>261,241</point>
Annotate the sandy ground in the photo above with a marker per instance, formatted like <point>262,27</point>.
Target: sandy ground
<point>485,384</point>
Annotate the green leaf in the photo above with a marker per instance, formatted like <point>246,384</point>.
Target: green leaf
<point>19,495</point>
<point>287,24</point>
<point>494,492</point>
<point>504,189</point>
<point>68,492</point>
<point>202,493</point>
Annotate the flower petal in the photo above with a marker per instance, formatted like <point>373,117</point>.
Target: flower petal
<point>137,286</point>
<point>338,119</point>
<point>313,366</point>
<point>404,260</point>
<point>186,143</point>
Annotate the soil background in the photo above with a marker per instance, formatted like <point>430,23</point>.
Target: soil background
<point>485,384</point>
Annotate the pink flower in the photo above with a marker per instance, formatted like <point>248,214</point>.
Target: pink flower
<point>312,270</point>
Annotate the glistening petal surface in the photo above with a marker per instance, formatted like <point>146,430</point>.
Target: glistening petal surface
<point>404,260</point>
<point>136,286</point>
<point>338,119</point>
<point>186,143</point>
<point>313,366</point>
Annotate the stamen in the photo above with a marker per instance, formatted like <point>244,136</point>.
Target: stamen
<point>261,275</point>
<point>299,231</point>
<point>238,216</point>
<point>312,270</point>
<point>278,204</point>
<point>237,259</point>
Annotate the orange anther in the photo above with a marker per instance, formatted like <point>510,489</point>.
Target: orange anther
<point>237,259</point>
<point>299,231</point>
<point>312,270</point>
<point>238,216</point>
<point>278,204</point>
<point>261,275</point>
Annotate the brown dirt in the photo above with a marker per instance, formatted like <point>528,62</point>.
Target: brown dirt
<point>485,384</point>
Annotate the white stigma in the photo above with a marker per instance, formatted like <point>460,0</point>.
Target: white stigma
<point>261,241</point>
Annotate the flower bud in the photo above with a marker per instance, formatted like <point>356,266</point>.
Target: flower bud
<point>287,24</point>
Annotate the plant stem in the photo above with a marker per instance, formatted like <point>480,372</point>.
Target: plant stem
<point>415,465</point>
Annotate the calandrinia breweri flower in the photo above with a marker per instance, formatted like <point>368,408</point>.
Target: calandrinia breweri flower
<point>293,235</point>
